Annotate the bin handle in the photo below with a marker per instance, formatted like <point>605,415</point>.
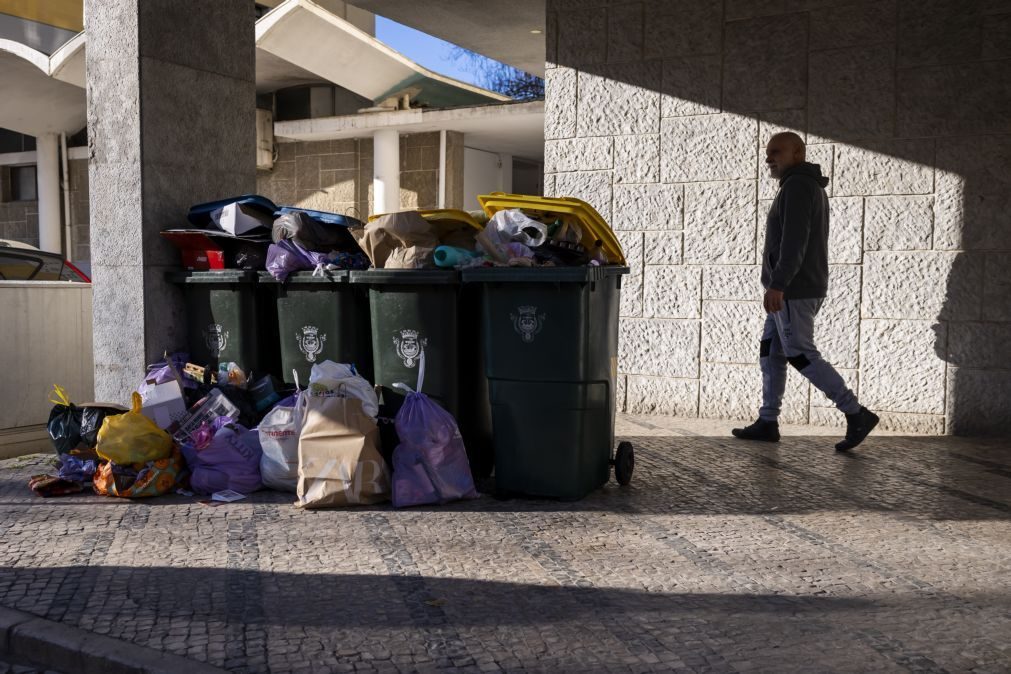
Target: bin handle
<point>400,386</point>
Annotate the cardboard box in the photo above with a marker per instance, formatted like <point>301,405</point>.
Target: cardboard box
<point>164,404</point>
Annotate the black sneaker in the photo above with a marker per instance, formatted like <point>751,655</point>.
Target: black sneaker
<point>766,431</point>
<point>858,426</point>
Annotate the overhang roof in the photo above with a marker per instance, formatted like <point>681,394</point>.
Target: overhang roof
<point>512,128</point>
<point>500,30</point>
<point>313,40</point>
<point>50,90</point>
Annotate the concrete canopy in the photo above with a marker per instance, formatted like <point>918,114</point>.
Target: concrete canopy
<point>50,90</point>
<point>512,128</point>
<point>314,40</point>
<point>500,30</point>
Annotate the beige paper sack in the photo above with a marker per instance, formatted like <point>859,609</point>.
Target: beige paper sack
<point>339,463</point>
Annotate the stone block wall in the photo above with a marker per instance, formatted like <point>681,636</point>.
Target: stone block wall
<point>19,220</point>
<point>336,175</point>
<point>80,231</point>
<point>658,112</point>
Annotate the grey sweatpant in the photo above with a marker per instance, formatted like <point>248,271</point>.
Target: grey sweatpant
<point>788,338</point>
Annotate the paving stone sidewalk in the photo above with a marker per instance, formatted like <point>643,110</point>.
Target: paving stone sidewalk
<point>722,556</point>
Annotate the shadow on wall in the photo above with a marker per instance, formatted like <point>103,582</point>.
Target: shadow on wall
<point>658,112</point>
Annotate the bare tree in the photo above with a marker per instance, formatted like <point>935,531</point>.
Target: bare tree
<point>499,77</point>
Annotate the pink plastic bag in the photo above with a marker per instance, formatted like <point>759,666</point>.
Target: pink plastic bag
<point>430,463</point>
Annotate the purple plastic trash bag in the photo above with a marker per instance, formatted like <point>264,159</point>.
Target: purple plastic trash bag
<point>231,460</point>
<point>286,256</point>
<point>430,463</point>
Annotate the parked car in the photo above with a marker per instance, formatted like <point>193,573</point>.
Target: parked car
<point>22,262</point>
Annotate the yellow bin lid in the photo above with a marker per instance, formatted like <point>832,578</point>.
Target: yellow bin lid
<point>597,235</point>
<point>443,215</point>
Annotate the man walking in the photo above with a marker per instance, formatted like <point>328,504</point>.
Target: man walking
<point>795,277</point>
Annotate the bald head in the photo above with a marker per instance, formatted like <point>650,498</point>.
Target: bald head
<point>785,150</point>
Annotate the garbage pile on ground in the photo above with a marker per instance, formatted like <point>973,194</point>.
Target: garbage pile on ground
<point>224,434</point>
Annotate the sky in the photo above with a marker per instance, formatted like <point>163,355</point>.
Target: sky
<point>422,48</point>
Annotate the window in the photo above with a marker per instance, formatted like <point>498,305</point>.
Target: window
<point>23,187</point>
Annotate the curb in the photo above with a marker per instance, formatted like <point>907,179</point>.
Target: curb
<point>53,645</point>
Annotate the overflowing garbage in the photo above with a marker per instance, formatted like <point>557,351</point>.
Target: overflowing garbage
<point>210,428</point>
<point>220,434</point>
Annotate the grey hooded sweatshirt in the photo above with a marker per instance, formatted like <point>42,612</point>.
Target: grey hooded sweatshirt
<point>795,258</point>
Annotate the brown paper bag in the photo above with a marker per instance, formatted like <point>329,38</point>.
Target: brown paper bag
<point>391,232</point>
<point>339,463</point>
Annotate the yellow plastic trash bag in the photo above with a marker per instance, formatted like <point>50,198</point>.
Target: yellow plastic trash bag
<point>132,438</point>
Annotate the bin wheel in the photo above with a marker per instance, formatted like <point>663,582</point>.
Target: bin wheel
<point>624,463</point>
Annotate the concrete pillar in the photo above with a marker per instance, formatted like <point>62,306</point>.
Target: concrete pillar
<point>47,149</point>
<point>386,171</point>
<point>171,122</point>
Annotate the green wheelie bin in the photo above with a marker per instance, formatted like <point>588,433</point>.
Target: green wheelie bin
<point>320,317</point>
<point>415,311</point>
<point>550,340</point>
<point>229,319</point>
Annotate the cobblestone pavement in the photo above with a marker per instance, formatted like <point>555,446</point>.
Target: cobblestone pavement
<point>722,556</point>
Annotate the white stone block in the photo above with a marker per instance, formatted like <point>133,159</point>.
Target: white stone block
<point>845,230</point>
<point>973,209</point>
<point>886,167</point>
<point>691,86</point>
<point>922,285</point>
<point>731,331</point>
<point>631,284</point>
<point>648,207</point>
<point>672,292</point>
<point>732,282</point>
<point>837,326</point>
<point>761,219</point>
<point>852,379</point>
<point>979,345</point>
<point>852,92</point>
<point>735,392</point>
<point>559,104</point>
<point>620,390</point>
<point>655,395</point>
<point>899,223</point>
<point>619,99</point>
<point>900,370</point>
<point>683,28</point>
<point>637,159</point>
<point>977,401</point>
<point>578,154</point>
<point>710,147</point>
<point>659,348</point>
<point>997,287</point>
<point>778,121</point>
<point>719,222</point>
<point>593,187</point>
<point>663,248</point>
<point>758,76</point>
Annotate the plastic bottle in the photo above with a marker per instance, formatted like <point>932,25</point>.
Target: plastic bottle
<point>451,256</point>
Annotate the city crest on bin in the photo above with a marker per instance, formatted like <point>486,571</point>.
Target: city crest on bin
<point>310,342</point>
<point>527,322</point>
<point>409,347</point>
<point>216,338</point>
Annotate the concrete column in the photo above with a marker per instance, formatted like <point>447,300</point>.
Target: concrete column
<point>386,171</point>
<point>47,149</point>
<point>171,122</point>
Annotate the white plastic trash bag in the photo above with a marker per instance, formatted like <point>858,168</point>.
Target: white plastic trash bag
<point>329,379</point>
<point>279,433</point>
<point>513,226</point>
